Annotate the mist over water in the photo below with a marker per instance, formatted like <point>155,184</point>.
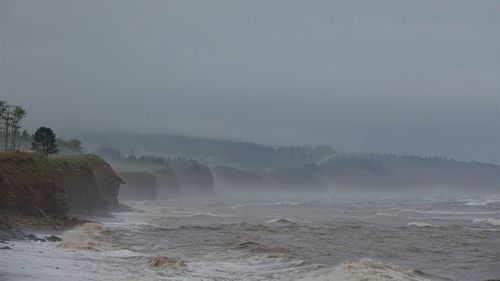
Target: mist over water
<point>253,140</point>
<point>288,239</point>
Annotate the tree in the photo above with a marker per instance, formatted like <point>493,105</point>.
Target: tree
<point>24,139</point>
<point>18,113</point>
<point>5,115</point>
<point>3,111</point>
<point>10,119</point>
<point>44,141</point>
<point>73,146</point>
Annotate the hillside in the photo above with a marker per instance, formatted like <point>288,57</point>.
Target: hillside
<point>312,168</point>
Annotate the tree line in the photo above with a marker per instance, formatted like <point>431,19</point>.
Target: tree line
<point>43,141</point>
<point>11,117</point>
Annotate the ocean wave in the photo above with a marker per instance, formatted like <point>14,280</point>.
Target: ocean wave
<point>492,221</point>
<point>237,206</point>
<point>205,214</point>
<point>280,203</point>
<point>162,262</point>
<point>90,236</point>
<point>280,220</point>
<point>479,202</point>
<point>419,224</point>
<point>448,212</point>
<point>167,214</point>
<point>365,269</point>
<point>417,218</point>
<point>253,246</point>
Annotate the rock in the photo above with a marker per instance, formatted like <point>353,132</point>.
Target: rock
<point>4,227</point>
<point>160,262</point>
<point>5,248</point>
<point>53,238</point>
<point>4,236</point>
<point>33,237</point>
<point>17,234</point>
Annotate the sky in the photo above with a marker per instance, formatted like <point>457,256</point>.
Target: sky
<point>413,77</point>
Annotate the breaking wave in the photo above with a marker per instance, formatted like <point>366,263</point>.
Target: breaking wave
<point>420,224</point>
<point>253,246</point>
<point>90,236</point>
<point>478,202</point>
<point>280,220</point>
<point>492,221</point>
<point>365,269</point>
<point>447,212</point>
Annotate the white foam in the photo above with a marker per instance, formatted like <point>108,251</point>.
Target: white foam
<point>480,202</point>
<point>492,221</point>
<point>288,203</point>
<point>431,212</point>
<point>419,224</point>
<point>280,220</point>
<point>32,261</point>
<point>365,269</point>
<point>89,236</point>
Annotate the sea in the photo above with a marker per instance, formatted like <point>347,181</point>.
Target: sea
<point>323,239</point>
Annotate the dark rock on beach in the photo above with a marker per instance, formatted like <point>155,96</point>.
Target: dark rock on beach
<point>53,238</point>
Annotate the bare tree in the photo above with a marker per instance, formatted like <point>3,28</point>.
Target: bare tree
<point>18,113</point>
<point>3,111</point>
<point>6,118</point>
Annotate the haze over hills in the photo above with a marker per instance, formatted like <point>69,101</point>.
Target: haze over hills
<point>299,168</point>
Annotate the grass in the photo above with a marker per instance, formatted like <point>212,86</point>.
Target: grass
<point>40,165</point>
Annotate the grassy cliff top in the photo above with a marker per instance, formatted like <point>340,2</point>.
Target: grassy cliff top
<point>39,165</point>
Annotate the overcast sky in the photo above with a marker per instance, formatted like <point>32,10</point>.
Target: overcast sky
<point>396,76</point>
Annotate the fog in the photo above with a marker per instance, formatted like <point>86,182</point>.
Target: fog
<point>416,77</point>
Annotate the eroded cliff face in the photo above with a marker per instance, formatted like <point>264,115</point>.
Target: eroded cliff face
<point>229,178</point>
<point>168,183</point>
<point>35,186</point>
<point>194,178</point>
<point>138,186</point>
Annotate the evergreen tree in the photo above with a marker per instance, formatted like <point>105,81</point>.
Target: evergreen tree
<point>44,141</point>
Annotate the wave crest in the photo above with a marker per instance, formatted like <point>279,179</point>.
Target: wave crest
<point>492,221</point>
<point>365,269</point>
<point>89,236</point>
<point>280,220</point>
<point>419,224</point>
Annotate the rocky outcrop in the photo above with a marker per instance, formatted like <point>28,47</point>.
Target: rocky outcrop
<point>35,186</point>
<point>195,178</point>
<point>168,183</point>
<point>228,178</point>
<point>138,186</point>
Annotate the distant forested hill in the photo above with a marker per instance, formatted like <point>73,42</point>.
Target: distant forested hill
<point>211,151</point>
<point>297,167</point>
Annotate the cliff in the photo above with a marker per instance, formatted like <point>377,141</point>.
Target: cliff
<point>138,186</point>
<point>168,182</point>
<point>305,179</point>
<point>194,178</point>
<point>35,186</point>
<point>228,178</point>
